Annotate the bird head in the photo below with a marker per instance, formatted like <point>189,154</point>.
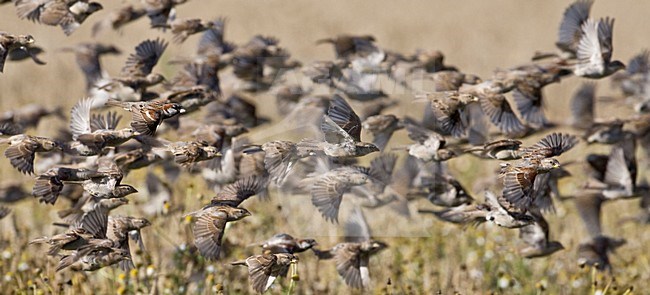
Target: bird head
<point>138,223</point>
<point>548,164</point>
<point>26,39</point>
<point>364,148</point>
<point>125,190</point>
<point>614,66</point>
<point>307,243</point>
<point>239,213</point>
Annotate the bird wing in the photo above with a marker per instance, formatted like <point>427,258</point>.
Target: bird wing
<point>21,155</point>
<point>348,264</point>
<point>344,116</point>
<point>237,192</point>
<point>260,271</point>
<point>208,232</point>
<point>334,134</point>
<point>80,118</point>
<point>605,32</point>
<point>589,53</point>
<point>497,108</point>
<point>570,28</point>
<point>326,195</point>
<point>146,56</point>
<point>617,173</point>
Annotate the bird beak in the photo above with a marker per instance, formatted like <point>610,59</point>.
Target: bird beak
<point>182,111</point>
<point>556,166</point>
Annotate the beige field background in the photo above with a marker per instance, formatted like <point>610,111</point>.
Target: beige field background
<point>425,255</point>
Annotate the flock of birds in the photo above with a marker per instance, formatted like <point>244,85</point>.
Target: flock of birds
<point>86,163</point>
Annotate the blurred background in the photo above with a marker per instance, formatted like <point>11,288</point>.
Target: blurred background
<point>425,255</point>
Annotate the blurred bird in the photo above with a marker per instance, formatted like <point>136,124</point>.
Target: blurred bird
<point>87,56</point>
<point>10,42</point>
<point>147,116</point>
<point>264,269</point>
<point>183,28</point>
<point>285,243</point>
<point>536,237</point>
<point>69,14</point>
<point>116,19</point>
<point>23,148</point>
<point>595,50</point>
<point>211,220</point>
<point>352,258</point>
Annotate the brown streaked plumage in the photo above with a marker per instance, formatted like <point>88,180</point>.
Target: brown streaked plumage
<point>23,148</point>
<point>68,14</point>
<point>263,269</point>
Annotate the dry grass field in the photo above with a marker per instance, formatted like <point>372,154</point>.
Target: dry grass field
<point>425,255</point>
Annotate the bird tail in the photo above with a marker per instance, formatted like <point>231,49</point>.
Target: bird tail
<point>238,262</point>
<point>66,261</point>
<point>39,240</point>
<point>117,103</point>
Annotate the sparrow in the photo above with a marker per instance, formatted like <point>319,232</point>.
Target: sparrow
<point>147,116</point>
<point>536,237</point>
<point>160,11</point>
<point>595,50</point>
<point>346,46</point>
<point>116,19</point>
<point>211,220</point>
<point>263,269</point>
<point>212,42</point>
<point>528,98</point>
<point>496,107</point>
<point>618,179</point>
<point>449,111</point>
<point>352,258</point>
<point>107,184</point>
<point>119,230</point>
<point>450,80</point>
<point>68,14</point>
<point>87,56</point>
<point>183,28</point>
<point>494,209</point>
<point>49,185</point>
<point>444,190</point>
<point>97,131</point>
<point>503,149</point>
<point>188,153</point>
<point>519,179</point>
<point>328,189</point>
<point>10,43</point>
<point>285,243</point>
<point>92,259</point>
<point>432,61</point>
<point>342,129</point>
<point>429,146</point>
<point>136,73</point>
<point>23,148</point>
